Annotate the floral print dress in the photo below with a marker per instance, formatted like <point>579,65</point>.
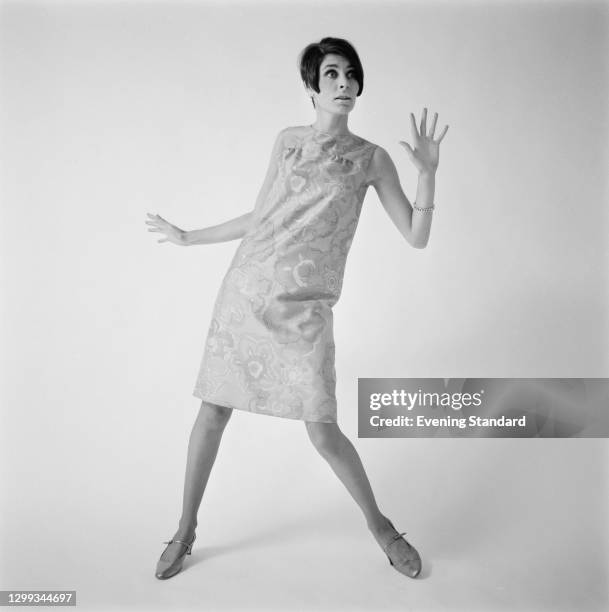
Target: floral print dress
<point>270,345</point>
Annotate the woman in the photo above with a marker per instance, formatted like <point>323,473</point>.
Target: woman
<point>270,346</point>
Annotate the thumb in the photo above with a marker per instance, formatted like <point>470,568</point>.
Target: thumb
<point>407,147</point>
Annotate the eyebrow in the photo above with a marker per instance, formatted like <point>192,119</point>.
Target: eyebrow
<point>335,66</point>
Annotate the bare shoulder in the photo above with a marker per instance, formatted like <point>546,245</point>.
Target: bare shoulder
<point>381,165</point>
<point>380,157</point>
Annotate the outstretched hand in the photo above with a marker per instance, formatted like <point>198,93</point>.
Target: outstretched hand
<point>426,153</point>
<point>172,233</point>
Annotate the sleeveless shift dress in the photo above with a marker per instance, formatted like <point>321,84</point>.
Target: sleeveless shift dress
<point>270,345</point>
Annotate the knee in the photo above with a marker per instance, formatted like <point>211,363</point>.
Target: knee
<point>326,437</point>
<point>213,416</point>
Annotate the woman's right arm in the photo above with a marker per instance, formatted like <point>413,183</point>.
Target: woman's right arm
<point>229,230</point>
<point>217,233</point>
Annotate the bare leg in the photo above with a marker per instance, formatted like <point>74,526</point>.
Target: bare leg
<point>202,450</point>
<point>338,451</point>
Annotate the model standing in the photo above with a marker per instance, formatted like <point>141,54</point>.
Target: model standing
<point>270,345</point>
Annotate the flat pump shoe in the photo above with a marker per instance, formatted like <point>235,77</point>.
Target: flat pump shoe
<point>167,569</point>
<point>412,566</point>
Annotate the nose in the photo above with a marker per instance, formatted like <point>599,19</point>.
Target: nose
<point>342,82</point>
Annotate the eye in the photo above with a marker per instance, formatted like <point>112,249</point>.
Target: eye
<point>351,73</point>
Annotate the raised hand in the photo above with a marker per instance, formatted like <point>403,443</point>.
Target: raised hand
<point>426,153</point>
<point>172,233</point>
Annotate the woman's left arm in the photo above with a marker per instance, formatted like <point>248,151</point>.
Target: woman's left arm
<point>413,224</point>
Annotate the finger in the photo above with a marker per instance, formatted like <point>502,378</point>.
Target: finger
<point>154,229</point>
<point>406,146</point>
<point>158,222</point>
<point>163,240</point>
<point>413,125</point>
<point>433,125</point>
<point>424,122</point>
<point>442,135</point>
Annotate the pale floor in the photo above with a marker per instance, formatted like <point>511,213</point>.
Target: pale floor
<point>300,566</point>
<point>516,545</point>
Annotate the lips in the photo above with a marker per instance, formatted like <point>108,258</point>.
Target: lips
<point>342,98</point>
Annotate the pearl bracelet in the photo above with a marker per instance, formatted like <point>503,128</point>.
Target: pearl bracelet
<point>430,208</point>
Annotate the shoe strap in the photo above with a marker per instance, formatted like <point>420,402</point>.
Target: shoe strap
<point>396,537</point>
<point>181,542</point>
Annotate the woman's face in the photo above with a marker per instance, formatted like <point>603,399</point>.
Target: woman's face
<point>336,81</point>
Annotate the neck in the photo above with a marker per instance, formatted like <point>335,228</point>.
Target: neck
<point>331,124</point>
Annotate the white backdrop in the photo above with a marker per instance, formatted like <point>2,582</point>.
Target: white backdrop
<point>111,110</point>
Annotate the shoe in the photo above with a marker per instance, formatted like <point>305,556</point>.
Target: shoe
<point>167,569</point>
<point>412,566</point>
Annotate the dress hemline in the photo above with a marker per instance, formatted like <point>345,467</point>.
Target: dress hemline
<point>225,404</point>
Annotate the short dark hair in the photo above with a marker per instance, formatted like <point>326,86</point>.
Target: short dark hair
<point>312,55</point>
